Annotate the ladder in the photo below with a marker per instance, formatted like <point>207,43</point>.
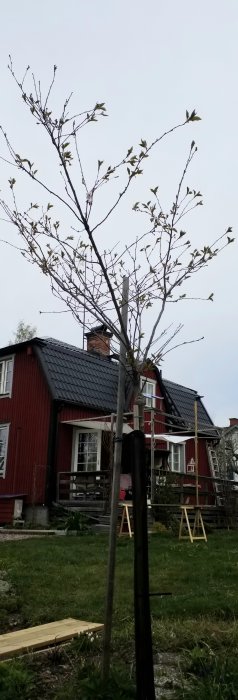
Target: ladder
<point>215,472</point>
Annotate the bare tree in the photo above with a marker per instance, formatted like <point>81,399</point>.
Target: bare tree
<point>23,332</point>
<point>227,454</point>
<point>83,272</point>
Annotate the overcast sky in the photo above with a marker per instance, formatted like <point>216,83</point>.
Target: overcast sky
<point>148,62</point>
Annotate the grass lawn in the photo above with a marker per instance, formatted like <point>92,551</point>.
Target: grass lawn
<point>65,577</point>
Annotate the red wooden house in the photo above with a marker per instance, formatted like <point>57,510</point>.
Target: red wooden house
<point>56,403</point>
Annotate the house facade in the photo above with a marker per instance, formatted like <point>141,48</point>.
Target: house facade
<point>57,418</point>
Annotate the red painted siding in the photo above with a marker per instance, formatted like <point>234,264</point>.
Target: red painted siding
<point>28,413</point>
<point>6,510</point>
<point>65,432</point>
<point>203,465</point>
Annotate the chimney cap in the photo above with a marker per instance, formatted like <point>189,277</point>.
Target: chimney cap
<point>99,330</point>
<point>233,422</point>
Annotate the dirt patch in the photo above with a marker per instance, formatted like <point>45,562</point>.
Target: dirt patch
<point>7,536</point>
<point>167,675</point>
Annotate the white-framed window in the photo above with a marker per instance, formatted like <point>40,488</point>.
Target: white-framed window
<point>177,457</point>
<point>87,450</point>
<point>148,387</point>
<point>6,374</point>
<point>4,431</point>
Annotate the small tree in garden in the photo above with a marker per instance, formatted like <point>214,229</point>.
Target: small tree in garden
<point>83,270</point>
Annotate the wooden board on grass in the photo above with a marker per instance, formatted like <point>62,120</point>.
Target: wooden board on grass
<point>42,636</point>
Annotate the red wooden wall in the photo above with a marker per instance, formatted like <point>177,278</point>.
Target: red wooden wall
<point>28,413</point>
<point>65,432</point>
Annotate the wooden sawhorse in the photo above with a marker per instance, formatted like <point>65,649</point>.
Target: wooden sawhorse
<point>127,505</point>
<point>193,533</point>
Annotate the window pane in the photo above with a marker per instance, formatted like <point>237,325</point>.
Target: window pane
<point>3,447</point>
<point>182,458</point>
<point>1,377</point>
<point>6,369</point>
<point>148,391</point>
<point>177,458</point>
<point>8,376</point>
<point>87,451</point>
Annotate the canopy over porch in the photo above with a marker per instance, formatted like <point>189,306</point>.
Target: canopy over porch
<point>91,424</point>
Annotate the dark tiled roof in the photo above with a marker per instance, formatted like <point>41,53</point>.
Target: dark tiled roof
<point>77,376</point>
<point>183,398</point>
<point>80,377</point>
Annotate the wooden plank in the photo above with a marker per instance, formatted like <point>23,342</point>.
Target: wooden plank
<point>22,641</point>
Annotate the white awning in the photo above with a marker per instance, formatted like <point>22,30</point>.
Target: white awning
<point>175,439</point>
<point>96,425</point>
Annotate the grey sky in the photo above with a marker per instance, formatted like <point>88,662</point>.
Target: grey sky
<point>148,62</point>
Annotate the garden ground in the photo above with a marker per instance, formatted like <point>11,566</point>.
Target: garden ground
<point>55,578</point>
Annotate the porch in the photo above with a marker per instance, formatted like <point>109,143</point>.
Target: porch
<point>90,492</point>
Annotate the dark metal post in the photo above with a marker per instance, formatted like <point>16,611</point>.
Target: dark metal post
<point>143,636</point>
<point>115,486</point>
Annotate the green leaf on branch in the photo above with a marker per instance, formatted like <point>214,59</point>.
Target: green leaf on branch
<point>193,117</point>
<point>100,105</point>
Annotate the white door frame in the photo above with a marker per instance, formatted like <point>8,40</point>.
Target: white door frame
<point>77,431</point>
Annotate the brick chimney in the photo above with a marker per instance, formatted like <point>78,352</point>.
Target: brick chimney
<point>233,421</point>
<point>99,340</point>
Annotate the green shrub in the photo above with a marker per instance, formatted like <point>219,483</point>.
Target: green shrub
<point>210,677</point>
<point>88,685</point>
<point>16,682</point>
<point>78,522</point>
<point>166,494</point>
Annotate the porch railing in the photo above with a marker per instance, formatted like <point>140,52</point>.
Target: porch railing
<point>83,486</point>
<point>212,490</point>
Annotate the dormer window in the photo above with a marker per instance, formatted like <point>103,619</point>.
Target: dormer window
<point>6,373</point>
<point>148,387</point>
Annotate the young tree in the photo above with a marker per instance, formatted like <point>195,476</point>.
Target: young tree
<point>23,332</point>
<point>82,271</point>
<point>85,273</point>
